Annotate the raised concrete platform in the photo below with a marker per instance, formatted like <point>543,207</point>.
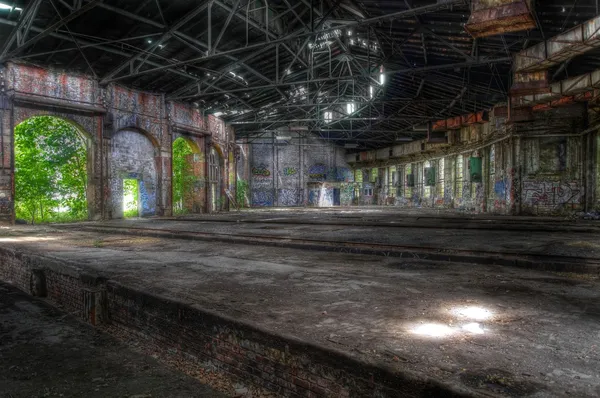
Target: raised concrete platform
<point>331,324</point>
<point>47,353</point>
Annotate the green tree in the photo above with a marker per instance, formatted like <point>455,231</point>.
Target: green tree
<point>183,174</point>
<point>50,171</point>
<point>241,193</point>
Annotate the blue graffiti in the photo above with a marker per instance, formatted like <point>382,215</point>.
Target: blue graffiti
<point>313,197</point>
<point>262,198</point>
<point>500,189</point>
<point>289,197</point>
<point>147,199</point>
<point>318,172</point>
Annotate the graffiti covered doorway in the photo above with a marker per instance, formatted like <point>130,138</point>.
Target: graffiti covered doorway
<point>214,180</point>
<point>133,157</point>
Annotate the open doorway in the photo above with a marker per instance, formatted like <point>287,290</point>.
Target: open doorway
<point>131,195</point>
<point>51,171</point>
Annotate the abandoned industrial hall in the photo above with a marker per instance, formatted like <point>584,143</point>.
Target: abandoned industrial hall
<point>299,198</point>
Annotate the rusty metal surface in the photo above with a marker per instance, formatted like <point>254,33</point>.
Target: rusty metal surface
<point>530,83</point>
<point>572,87</point>
<point>478,5</point>
<point>512,17</point>
<point>576,41</point>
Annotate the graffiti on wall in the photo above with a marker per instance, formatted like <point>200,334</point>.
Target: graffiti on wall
<point>262,198</point>
<point>290,197</point>
<point>217,128</point>
<point>186,115</point>
<point>317,172</point>
<point>147,199</point>
<point>290,171</point>
<point>342,174</point>
<point>51,83</point>
<point>500,189</point>
<point>5,204</point>
<point>555,194</point>
<point>313,197</point>
<point>347,194</point>
<point>261,171</point>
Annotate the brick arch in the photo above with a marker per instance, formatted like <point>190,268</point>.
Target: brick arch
<point>143,132</point>
<point>89,126</point>
<point>193,144</point>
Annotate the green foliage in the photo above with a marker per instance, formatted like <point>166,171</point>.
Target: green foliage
<point>241,193</point>
<point>130,197</point>
<point>50,171</point>
<point>183,174</point>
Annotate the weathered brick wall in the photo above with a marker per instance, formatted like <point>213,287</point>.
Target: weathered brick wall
<point>6,191</point>
<point>241,352</point>
<point>63,283</point>
<point>284,365</point>
<point>52,84</point>
<point>100,114</point>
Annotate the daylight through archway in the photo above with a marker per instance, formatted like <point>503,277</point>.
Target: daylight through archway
<point>50,171</point>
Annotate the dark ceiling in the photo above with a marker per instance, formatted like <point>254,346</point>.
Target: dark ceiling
<point>289,66</point>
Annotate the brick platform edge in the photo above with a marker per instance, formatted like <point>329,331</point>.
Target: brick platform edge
<point>242,352</point>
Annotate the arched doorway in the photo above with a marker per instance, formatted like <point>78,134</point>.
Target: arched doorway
<point>187,171</point>
<point>214,180</point>
<point>51,170</point>
<point>133,174</point>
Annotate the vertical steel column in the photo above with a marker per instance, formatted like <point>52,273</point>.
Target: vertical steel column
<point>210,27</point>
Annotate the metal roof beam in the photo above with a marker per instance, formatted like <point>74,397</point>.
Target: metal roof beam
<point>51,28</point>
<point>442,4</point>
<point>155,45</point>
<point>407,71</point>
<point>24,23</point>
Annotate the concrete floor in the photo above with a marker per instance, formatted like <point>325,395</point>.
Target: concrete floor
<point>47,353</point>
<point>449,234</point>
<point>490,329</point>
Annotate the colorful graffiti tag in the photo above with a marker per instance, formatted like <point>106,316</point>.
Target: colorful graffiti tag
<point>261,172</point>
<point>554,194</point>
<point>290,197</point>
<point>262,198</point>
<point>290,171</point>
<point>317,172</point>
